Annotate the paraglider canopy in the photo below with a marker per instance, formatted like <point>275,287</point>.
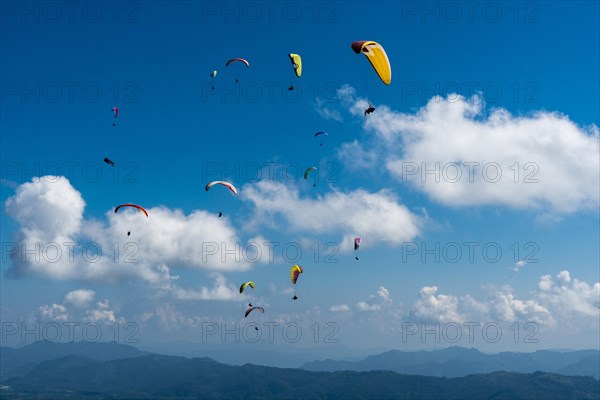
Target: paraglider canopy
<point>377,57</point>
<point>237,59</point>
<point>134,206</point>
<point>357,242</point>
<point>308,171</point>
<point>295,272</point>
<point>248,311</point>
<point>223,183</point>
<point>296,63</point>
<point>251,284</point>
<point>109,162</point>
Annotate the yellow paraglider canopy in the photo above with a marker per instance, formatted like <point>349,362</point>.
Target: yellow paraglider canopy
<point>377,57</point>
<point>296,63</point>
<point>251,284</point>
<point>295,271</point>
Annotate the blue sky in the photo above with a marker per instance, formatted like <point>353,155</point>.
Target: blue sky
<point>528,74</point>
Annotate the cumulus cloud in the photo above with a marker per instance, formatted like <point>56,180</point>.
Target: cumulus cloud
<point>379,300</point>
<point>80,298</point>
<point>384,294</point>
<point>54,312</point>
<point>570,297</point>
<point>55,241</point>
<point>431,306</point>
<point>373,215</point>
<point>77,305</point>
<point>558,301</point>
<point>102,313</point>
<point>510,309</point>
<point>501,305</point>
<point>47,208</point>
<point>493,159</point>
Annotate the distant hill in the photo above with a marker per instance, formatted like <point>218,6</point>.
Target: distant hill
<point>171,377</point>
<point>458,361</point>
<point>271,355</point>
<point>18,362</point>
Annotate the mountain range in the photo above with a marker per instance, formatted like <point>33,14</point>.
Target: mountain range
<point>47,370</point>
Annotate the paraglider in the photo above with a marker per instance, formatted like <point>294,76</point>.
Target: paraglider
<point>222,183</point>
<point>377,57</point>
<point>249,310</point>
<point>321,133</point>
<point>134,206</point>
<point>295,272</point>
<point>240,60</point>
<point>109,162</point>
<point>308,171</point>
<point>115,111</point>
<point>226,184</point>
<point>369,110</point>
<point>251,284</point>
<point>357,242</point>
<point>297,65</point>
<point>213,75</point>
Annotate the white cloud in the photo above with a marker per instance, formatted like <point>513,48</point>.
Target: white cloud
<point>80,298</point>
<point>375,216</point>
<point>343,308</point>
<point>166,281</point>
<point>385,301</point>
<point>363,306</point>
<point>49,212</point>
<point>102,313</point>
<point>519,265</point>
<point>570,297</point>
<point>384,293</point>
<point>222,290</point>
<point>554,162</point>
<point>510,309</point>
<point>54,312</point>
<point>431,306</point>
<point>558,302</point>
<point>76,306</point>
<point>47,208</point>
<point>545,282</point>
